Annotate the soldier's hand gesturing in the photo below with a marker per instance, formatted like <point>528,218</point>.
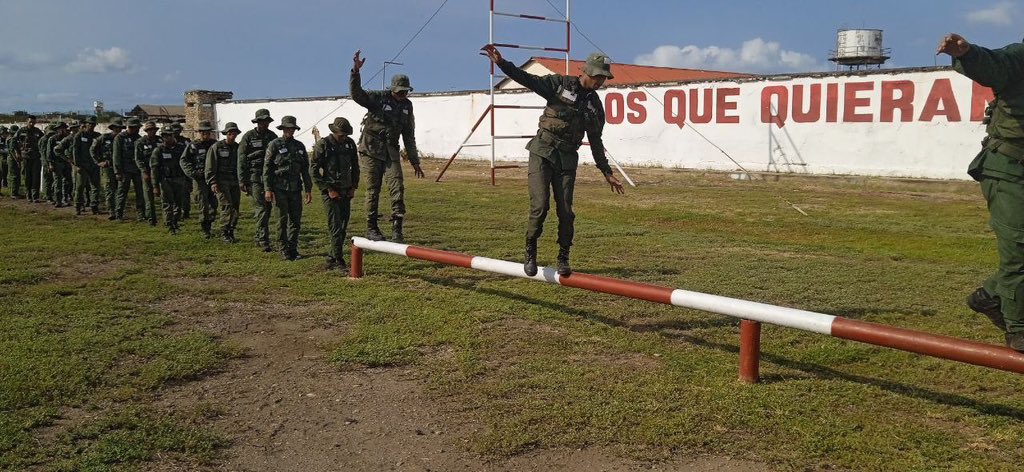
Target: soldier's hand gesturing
<point>215,188</point>
<point>316,133</point>
<point>268,196</point>
<point>492,53</point>
<point>418,170</point>
<point>616,185</point>
<point>357,63</point>
<point>954,45</point>
<point>309,197</point>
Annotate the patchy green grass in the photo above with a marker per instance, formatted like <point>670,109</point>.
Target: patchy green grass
<point>543,366</point>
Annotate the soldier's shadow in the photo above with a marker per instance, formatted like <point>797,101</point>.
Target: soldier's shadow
<point>676,330</point>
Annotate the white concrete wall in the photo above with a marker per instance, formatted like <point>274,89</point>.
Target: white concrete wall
<point>890,123</point>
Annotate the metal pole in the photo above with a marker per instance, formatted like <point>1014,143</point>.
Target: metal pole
<point>944,347</point>
<point>384,73</point>
<point>568,36</point>
<point>750,351</point>
<point>490,40</point>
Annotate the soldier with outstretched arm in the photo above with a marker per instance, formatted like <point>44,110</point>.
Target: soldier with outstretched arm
<point>573,109</point>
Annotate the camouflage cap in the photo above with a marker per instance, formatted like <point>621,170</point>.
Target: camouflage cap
<point>91,120</point>
<point>14,128</point>
<point>150,125</point>
<point>598,64</point>
<point>229,127</point>
<point>59,125</point>
<point>262,115</point>
<point>169,128</point>
<point>116,124</point>
<point>49,127</point>
<point>176,127</point>
<point>341,125</point>
<point>134,122</point>
<point>400,82</point>
<point>74,124</point>
<point>288,122</point>
<point>205,126</point>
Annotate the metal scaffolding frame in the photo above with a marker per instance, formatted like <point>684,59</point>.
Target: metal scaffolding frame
<point>493,107</point>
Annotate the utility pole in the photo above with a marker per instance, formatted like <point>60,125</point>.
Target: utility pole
<point>384,74</point>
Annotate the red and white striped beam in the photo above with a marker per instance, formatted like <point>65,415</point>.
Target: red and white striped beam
<point>945,347</point>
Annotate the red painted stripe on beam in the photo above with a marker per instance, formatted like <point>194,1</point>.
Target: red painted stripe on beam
<point>934,345</point>
<point>652,293</point>
<point>444,257</point>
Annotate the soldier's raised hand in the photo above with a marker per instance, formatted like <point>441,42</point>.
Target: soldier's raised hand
<point>316,133</point>
<point>492,53</point>
<point>357,63</point>
<point>954,45</point>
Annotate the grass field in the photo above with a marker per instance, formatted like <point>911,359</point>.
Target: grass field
<point>88,346</point>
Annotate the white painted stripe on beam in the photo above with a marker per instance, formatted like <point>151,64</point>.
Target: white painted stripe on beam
<point>754,311</point>
<point>380,246</point>
<point>498,266</point>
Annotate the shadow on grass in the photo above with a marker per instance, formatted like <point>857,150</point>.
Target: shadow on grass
<point>673,330</point>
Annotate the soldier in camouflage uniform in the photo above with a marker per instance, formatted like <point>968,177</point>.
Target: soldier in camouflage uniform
<point>27,141</point>
<point>4,134</point>
<point>335,168</point>
<point>252,151</point>
<point>285,175</point>
<point>999,169</point>
<point>221,171</point>
<point>45,188</point>
<point>178,127</point>
<point>573,108</point>
<point>13,173</point>
<point>127,172</point>
<point>144,147</point>
<point>55,163</point>
<point>63,162</point>
<point>102,152</point>
<point>170,182</point>
<point>193,162</point>
<point>389,115</point>
<point>87,173</point>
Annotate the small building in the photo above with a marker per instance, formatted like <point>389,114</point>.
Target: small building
<point>625,74</point>
<point>199,107</point>
<point>159,113</point>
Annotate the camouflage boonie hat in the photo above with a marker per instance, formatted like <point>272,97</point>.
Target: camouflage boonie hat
<point>168,129</point>
<point>598,64</point>
<point>229,127</point>
<point>60,124</point>
<point>117,123</point>
<point>91,120</point>
<point>74,124</point>
<point>150,125</point>
<point>177,128</point>
<point>49,127</point>
<point>288,122</point>
<point>400,82</point>
<point>341,125</point>
<point>205,126</point>
<point>262,115</point>
<point>13,129</point>
<point>132,122</point>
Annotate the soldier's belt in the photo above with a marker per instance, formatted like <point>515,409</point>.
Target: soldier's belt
<point>553,139</point>
<point>1014,150</point>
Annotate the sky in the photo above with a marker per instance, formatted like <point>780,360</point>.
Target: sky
<point>61,55</point>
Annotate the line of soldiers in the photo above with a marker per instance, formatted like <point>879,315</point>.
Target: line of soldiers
<point>71,163</point>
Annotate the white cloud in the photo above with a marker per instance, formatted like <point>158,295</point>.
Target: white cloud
<point>1000,14</point>
<point>755,55</point>
<point>101,61</point>
<point>57,98</point>
<point>24,61</point>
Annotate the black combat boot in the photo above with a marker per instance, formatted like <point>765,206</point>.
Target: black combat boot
<point>113,216</point>
<point>396,228</point>
<point>530,264</point>
<point>207,233</point>
<point>78,211</point>
<point>95,209</point>
<point>372,231</point>
<point>342,267</point>
<point>330,263</point>
<point>563,261</point>
<point>982,302</point>
<point>294,252</point>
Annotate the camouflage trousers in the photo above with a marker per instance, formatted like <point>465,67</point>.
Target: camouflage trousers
<point>87,187</point>
<point>338,212</point>
<point>129,181</point>
<point>546,179</point>
<point>376,172</point>
<point>230,197</point>
<point>110,187</point>
<point>206,200</point>
<point>261,211</point>
<point>147,187</point>
<point>289,217</point>
<point>33,170</point>
<point>174,194</point>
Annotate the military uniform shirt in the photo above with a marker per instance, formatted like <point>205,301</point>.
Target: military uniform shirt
<point>286,166</point>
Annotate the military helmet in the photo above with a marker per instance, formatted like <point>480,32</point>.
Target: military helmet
<point>116,124</point>
<point>205,126</point>
<point>598,65</point>
<point>400,82</point>
<point>150,125</point>
<point>262,115</point>
<point>229,127</point>
<point>134,122</point>
<point>341,125</point>
<point>288,122</point>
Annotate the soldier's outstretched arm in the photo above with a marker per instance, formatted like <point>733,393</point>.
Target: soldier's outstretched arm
<point>355,84</point>
<point>546,86</point>
<point>995,68</point>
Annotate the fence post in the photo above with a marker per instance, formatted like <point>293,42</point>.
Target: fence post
<point>750,351</point>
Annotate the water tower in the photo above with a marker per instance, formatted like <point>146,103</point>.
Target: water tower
<point>859,48</point>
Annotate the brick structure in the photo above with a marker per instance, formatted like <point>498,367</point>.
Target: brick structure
<point>199,107</point>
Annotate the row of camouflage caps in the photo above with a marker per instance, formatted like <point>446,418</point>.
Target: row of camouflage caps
<point>119,124</point>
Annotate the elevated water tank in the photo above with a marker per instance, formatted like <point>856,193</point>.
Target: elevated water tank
<point>859,48</point>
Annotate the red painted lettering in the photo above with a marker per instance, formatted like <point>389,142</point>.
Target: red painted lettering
<point>723,104</point>
<point>980,96</point>
<point>702,114</point>
<point>851,102</point>
<point>635,103</point>
<point>613,108</point>
<point>890,102</point>
<point>941,101</point>
<point>675,107</point>
<point>832,103</point>
<point>774,112</point>
<point>813,113</point>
